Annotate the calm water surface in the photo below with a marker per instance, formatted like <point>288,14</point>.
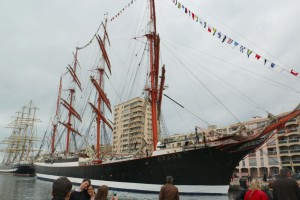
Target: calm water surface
<point>15,188</point>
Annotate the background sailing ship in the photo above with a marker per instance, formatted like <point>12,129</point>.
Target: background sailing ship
<point>21,144</point>
<point>81,127</point>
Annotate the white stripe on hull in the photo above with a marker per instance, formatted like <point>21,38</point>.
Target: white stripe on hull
<point>153,188</point>
<point>7,170</point>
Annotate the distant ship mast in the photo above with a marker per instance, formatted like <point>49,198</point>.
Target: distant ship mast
<point>56,117</point>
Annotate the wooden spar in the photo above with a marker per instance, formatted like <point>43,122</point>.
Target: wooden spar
<point>280,122</point>
<point>278,125</point>
<point>75,78</point>
<point>101,116</point>
<point>153,90</point>
<point>56,115</point>
<point>71,109</point>
<point>161,88</point>
<point>72,91</point>
<point>69,127</point>
<point>101,93</point>
<point>105,33</point>
<point>104,54</point>
<point>69,121</point>
<point>156,57</point>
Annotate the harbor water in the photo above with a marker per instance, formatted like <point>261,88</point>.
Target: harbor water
<point>14,188</point>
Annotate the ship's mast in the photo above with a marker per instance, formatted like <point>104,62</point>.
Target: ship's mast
<point>56,117</point>
<point>102,98</point>
<point>153,39</point>
<point>70,105</point>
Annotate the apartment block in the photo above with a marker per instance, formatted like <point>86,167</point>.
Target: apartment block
<point>132,127</point>
<point>281,150</point>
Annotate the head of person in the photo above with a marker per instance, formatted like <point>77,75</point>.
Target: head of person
<point>284,172</point>
<point>271,183</point>
<point>169,179</point>
<point>102,193</point>
<point>255,185</point>
<point>85,184</point>
<point>243,182</point>
<point>91,191</point>
<point>61,188</point>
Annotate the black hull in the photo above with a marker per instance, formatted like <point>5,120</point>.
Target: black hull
<point>18,170</point>
<point>209,166</point>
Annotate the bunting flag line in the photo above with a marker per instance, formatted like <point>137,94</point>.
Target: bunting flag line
<point>122,10</point>
<point>212,30</point>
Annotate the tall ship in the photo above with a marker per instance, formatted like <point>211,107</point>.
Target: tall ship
<point>78,145</point>
<point>21,144</point>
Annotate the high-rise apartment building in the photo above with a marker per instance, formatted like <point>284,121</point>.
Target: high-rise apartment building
<point>132,127</point>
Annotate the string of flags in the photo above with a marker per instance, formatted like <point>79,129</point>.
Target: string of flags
<point>227,40</point>
<point>122,10</point>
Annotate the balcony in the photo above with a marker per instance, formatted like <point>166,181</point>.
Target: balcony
<point>284,151</point>
<point>292,129</point>
<point>281,132</point>
<point>286,162</point>
<point>282,141</point>
<point>294,150</point>
<point>271,142</point>
<point>252,154</point>
<point>293,140</point>
<point>272,153</point>
<point>291,122</point>
<point>296,161</point>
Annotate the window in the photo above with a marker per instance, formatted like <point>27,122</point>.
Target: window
<point>273,161</point>
<point>252,162</point>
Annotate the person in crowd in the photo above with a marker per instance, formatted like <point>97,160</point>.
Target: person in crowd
<point>91,192</point>
<point>61,189</point>
<point>242,190</point>
<point>81,192</point>
<point>269,192</point>
<point>103,192</point>
<point>285,188</point>
<point>255,192</point>
<point>265,177</point>
<point>169,191</point>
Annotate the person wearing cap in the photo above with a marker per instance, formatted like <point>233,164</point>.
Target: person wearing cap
<point>81,193</point>
<point>169,191</point>
<point>285,188</point>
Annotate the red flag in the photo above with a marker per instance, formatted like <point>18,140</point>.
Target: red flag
<point>209,29</point>
<point>257,57</point>
<point>294,73</point>
<point>193,16</point>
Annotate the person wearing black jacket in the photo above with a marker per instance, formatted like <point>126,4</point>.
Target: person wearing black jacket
<point>81,192</point>
<point>285,188</point>
<point>242,190</point>
<point>61,189</point>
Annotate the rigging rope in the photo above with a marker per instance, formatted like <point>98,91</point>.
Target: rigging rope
<point>186,109</point>
<point>203,85</point>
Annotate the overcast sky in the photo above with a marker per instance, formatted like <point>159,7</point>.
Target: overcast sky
<point>38,38</point>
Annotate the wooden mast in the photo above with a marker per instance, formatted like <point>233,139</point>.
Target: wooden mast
<point>102,98</point>
<point>56,116</point>
<point>69,106</point>
<point>153,39</point>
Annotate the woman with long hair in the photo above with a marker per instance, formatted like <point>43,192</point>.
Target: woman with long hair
<point>103,192</point>
<point>255,192</point>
